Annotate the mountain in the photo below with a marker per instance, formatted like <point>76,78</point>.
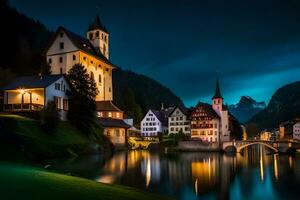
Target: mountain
<point>24,40</point>
<point>246,108</point>
<point>148,93</point>
<point>284,105</point>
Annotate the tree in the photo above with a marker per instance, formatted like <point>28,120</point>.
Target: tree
<point>82,105</point>
<point>49,118</point>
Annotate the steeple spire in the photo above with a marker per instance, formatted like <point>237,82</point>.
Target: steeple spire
<point>97,24</point>
<point>218,91</point>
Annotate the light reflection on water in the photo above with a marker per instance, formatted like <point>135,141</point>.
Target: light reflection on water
<point>251,175</point>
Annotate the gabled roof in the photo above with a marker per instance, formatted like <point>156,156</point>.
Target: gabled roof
<point>162,115</point>
<point>111,122</point>
<point>32,82</point>
<point>97,24</point>
<point>81,43</point>
<point>106,106</point>
<point>183,109</point>
<point>208,109</point>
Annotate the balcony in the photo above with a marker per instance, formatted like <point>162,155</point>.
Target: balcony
<point>22,107</point>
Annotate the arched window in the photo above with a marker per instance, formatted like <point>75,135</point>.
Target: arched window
<point>100,78</point>
<point>97,34</point>
<point>104,49</point>
<point>92,76</point>
<point>91,36</point>
<point>105,38</point>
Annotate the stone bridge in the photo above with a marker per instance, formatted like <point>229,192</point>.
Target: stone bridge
<point>275,146</point>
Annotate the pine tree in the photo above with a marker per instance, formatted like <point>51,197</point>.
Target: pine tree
<point>82,105</point>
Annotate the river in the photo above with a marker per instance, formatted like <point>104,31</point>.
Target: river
<point>255,174</point>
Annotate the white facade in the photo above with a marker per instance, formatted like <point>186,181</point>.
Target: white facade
<point>99,39</point>
<point>296,131</point>
<point>178,121</point>
<point>151,125</point>
<point>35,98</point>
<point>63,54</point>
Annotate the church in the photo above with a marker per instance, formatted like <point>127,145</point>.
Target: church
<point>66,49</point>
<point>211,122</point>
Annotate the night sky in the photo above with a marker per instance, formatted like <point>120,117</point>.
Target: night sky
<point>254,45</point>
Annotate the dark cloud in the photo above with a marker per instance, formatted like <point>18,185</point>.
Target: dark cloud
<point>251,43</point>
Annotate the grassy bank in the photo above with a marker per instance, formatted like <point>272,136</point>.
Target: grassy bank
<point>23,135</point>
<point>20,182</point>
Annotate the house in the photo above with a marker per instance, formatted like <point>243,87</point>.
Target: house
<point>32,93</point>
<point>155,122</point>
<point>205,123</point>
<point>286,129</point>
<point>67,49</point>
<point>110,117</point>
<point>296,131</point>
<point>211,122</point>
<point>178,121</point>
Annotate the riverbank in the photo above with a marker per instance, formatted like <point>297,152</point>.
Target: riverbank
<point>23,138</point>
<point>22,182</point>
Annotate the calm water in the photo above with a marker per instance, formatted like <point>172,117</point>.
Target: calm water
<point>187,176</point>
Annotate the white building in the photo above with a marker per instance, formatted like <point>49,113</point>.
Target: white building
<point>155,123</point>
<point>178,121</point>
<point>296,131</point>
<point>67,49</point>
<point>32,93</point>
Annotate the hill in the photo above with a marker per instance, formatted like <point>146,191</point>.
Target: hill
<point>284,105</point>
<point>25,40</point>
<point>246,108</point>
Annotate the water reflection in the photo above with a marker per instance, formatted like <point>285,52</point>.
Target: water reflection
<point>255,174</point>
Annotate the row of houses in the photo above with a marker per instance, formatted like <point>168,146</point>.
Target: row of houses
<point>287,130</point>
<point>204,121</point>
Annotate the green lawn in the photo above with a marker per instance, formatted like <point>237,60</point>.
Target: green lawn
<point>21,182</point>
<point>64,141</point>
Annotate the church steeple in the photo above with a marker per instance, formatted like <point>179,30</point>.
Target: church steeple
<point>217,99</point>
<point>99,36</point>
<point>218,91</point>
<point>97,24</point>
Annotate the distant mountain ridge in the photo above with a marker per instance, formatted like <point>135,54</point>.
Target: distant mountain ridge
<point>24,40</point>
<point>246,108</point>
<point>284,105</point>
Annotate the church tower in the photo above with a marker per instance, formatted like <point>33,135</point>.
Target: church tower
<point>99,36</point>
<point>217,99</point>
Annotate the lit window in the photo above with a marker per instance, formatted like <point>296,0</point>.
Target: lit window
<point>118,115</point>
<point>65,104</point>
<point>109,114</point>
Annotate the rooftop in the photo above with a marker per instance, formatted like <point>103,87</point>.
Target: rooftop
<point>32,82</point>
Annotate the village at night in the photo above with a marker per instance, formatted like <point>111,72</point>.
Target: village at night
<point>150,100</point>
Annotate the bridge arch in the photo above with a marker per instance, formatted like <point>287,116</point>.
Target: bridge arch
<point>240,148</point>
